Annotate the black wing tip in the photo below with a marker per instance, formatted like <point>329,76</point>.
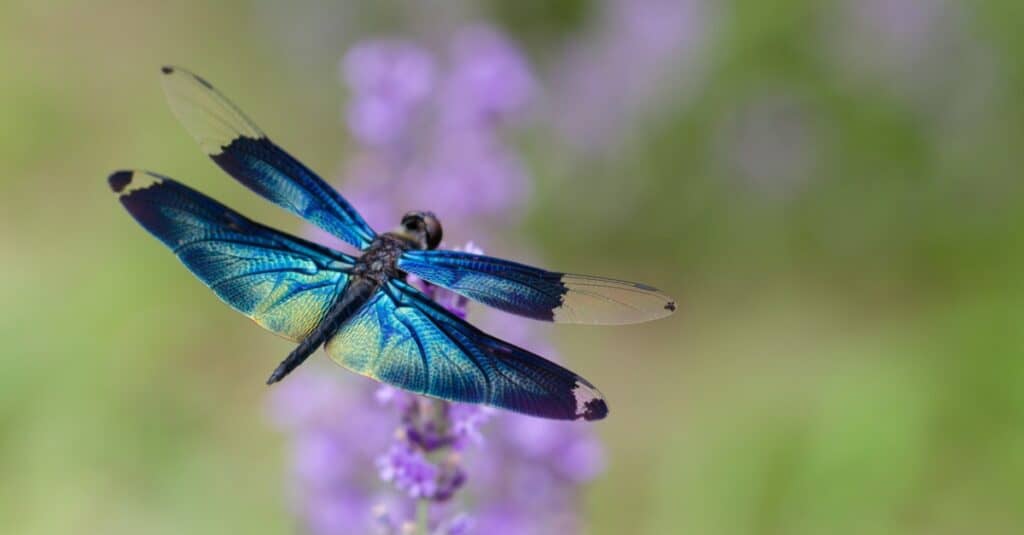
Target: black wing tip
<point>118,180</point>
<point>670,306</point>
<point>170,69</point>
<point>595,409</point>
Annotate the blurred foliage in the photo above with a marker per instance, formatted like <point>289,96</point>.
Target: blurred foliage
<point>539,24</point>
<point>848,357</point>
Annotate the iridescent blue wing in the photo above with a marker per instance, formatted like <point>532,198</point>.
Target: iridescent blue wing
<point>283,283</point>
<point>240,148</point>
<point>402,338</point>
<point>538,294</point>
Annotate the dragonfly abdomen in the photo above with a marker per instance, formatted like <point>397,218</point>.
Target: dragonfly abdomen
<point>356,293</point>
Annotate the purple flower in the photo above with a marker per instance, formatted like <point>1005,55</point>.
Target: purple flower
<point>460,525</point>
<point>388,80</point>
<point>397,70</point>
<point>466,421</point>
<point>454,156</point>
<point>573,455</point>
<point>490,80</point>
<point>639,53</point>
<point>409,470</point>
<point>469,177</point>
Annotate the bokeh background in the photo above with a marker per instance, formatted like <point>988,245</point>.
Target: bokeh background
<point>832,191</point>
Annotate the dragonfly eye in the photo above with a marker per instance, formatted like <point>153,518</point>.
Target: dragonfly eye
<point>434,230</point>
<point>424,226</point>
<point>413,222</point>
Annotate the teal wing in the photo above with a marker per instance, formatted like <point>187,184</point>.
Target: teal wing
<point>240,148</point>
<point>402,338</point>
<point>536,293</point>
<point>283,283</point>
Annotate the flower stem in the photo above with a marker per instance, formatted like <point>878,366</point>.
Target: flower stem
<point>423,517</point>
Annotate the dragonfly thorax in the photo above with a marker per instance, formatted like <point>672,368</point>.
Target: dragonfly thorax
<point>380,260</point>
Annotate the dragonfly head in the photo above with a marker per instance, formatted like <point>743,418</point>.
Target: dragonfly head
<point>422,228</point>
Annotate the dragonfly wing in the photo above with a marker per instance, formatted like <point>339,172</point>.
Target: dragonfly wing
<point>239,147</point>
<point>283,283</point>
<point>536,293</point>
<point>402,338</point>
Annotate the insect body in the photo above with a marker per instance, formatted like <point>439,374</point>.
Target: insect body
<point>361,309</point>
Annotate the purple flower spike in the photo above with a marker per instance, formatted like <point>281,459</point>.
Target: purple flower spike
<point>466,421</point>
<point>409,470</point>
<point>369,458</point>
<point>639,53</point>
<point>401,71</point>
<point>388,80</point>
<point>469,159</point>
<point>490,81</point>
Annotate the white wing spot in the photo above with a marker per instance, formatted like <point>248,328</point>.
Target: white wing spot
<point>590,404</point>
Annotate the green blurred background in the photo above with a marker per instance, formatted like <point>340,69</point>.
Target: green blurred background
<point>848,356</point>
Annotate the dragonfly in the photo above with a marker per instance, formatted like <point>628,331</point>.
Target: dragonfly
<point>362,309</point>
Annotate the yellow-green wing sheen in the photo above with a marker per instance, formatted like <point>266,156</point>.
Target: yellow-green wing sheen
<point>284,283</point>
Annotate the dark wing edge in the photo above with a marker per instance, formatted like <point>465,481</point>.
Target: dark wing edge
<point>401,337</point>
<point>242,150</point>
<point>536,293</point>
<point>284,283</point>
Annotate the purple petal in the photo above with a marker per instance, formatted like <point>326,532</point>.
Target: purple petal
<point>397,71</point>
